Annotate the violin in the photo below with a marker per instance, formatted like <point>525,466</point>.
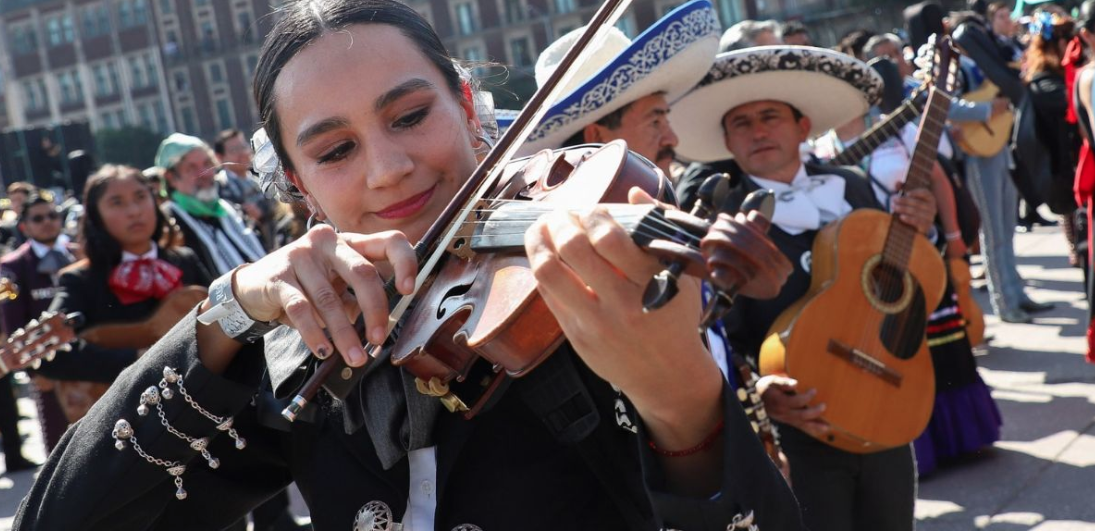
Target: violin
<point>476,317</point>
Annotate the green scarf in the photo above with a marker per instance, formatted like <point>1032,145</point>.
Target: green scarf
<point>194,207</point>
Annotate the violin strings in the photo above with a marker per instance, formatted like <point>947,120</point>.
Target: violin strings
<point>524,221</point>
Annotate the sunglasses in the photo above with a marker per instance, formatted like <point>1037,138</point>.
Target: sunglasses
<point>52,216</point>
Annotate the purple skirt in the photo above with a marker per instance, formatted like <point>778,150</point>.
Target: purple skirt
<point>964,420</point>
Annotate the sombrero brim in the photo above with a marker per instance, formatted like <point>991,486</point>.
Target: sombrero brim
<point>670,57</point>
<point>828,87</point>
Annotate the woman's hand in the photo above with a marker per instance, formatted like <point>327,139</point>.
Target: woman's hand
<point>592,277</point>
<point>305,285</point>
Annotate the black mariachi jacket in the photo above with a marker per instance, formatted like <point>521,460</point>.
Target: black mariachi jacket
<point>87,290</point>
<point>748,321</point>
<point>504,470</point>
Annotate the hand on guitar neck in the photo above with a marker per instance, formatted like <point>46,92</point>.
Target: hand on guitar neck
<point>916,208</point>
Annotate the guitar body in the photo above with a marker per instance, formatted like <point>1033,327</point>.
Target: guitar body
<point>77,397</point>
<point>971,311</point>
<point>865,353</point>
<point>985,139</point>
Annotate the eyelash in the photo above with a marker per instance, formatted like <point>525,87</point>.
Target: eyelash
<point>409,121</point>
<point>413,119</point>
<point>336,154</point>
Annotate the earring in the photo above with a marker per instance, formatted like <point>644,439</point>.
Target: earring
<point>485,144</point>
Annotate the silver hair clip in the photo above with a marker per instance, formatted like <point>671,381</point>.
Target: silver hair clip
<point>268,170</point>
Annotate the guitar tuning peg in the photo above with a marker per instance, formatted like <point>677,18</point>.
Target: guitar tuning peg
<point>36,364</point>
<point>65,347</point>
<point>51,355</point>
<point>33,323</point>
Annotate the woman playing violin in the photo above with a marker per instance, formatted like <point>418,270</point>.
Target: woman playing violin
<point>628,425</point>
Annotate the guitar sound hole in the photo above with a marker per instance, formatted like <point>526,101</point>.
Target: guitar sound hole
<point>887,283</point>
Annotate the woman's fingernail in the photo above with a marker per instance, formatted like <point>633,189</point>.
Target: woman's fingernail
<point>408,285</point>
<point>377,335</point>
<point>357,357</point>
<point>323,352</point>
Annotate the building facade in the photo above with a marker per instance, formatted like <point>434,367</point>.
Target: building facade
<point>165,65</point>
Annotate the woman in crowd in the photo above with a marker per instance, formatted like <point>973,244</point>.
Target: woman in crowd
<point>379,156</point>
<point>1044,75</point>
<point>131,266</point>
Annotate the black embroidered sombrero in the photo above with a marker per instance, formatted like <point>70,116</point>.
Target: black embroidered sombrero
<point>827,86</point>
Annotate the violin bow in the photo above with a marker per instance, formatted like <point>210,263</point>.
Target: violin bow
<point>434,243</point>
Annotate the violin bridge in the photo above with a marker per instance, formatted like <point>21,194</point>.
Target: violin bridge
<point>461,242</point>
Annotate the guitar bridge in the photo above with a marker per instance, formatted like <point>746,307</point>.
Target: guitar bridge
<point>865,361</point>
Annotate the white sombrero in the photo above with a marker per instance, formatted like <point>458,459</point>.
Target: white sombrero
<point>670,57</point>
<point>828,87</point>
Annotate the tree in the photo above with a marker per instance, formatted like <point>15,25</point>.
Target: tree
<point>135,146</point>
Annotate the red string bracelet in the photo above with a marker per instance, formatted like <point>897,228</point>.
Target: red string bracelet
<point>703,445</point>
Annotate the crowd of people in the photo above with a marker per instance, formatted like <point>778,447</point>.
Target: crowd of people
<point>213,284</point>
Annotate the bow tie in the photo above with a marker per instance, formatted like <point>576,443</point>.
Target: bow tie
<point>53,261</point>
<point>807,203</point>
<point>145,278</point>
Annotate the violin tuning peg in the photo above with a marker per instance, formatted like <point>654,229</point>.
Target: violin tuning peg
<point>660,290</point>
<point>717,309</point>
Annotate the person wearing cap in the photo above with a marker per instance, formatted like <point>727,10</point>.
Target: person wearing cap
<point>748,117</point>
<point>623,92</point>
<point>210,225</point>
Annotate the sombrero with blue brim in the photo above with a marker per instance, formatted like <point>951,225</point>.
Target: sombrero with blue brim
<point>669,57</point>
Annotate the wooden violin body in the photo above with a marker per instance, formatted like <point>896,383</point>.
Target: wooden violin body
<point>864,352</point>
<point>484,303</point>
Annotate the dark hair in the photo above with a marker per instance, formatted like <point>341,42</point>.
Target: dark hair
<point>993,8</point>
<point>793,27</point>
<point>33,200</point>
<point>103,251</point>
<point>222,138</point>
<point>612,121</point>
<point>1043,55</point>
<point>303,22</point>
<point>852,43</point>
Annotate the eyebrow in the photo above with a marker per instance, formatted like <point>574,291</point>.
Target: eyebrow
<point>319,128</point>
<point>401,90</point>
<point>384,100</point>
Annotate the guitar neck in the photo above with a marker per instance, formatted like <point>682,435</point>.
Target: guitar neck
<point>900,239</point>
<point>881,132</point>
<point>754,408</point>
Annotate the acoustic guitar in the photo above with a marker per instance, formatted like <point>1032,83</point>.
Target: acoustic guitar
<point>858,336</point>
<point>985,139</point>
<point>77,397</point>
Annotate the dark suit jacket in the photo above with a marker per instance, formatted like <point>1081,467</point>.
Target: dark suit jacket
<point>86,290</point>
<point>504,470</point>
<point>36,290</point>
